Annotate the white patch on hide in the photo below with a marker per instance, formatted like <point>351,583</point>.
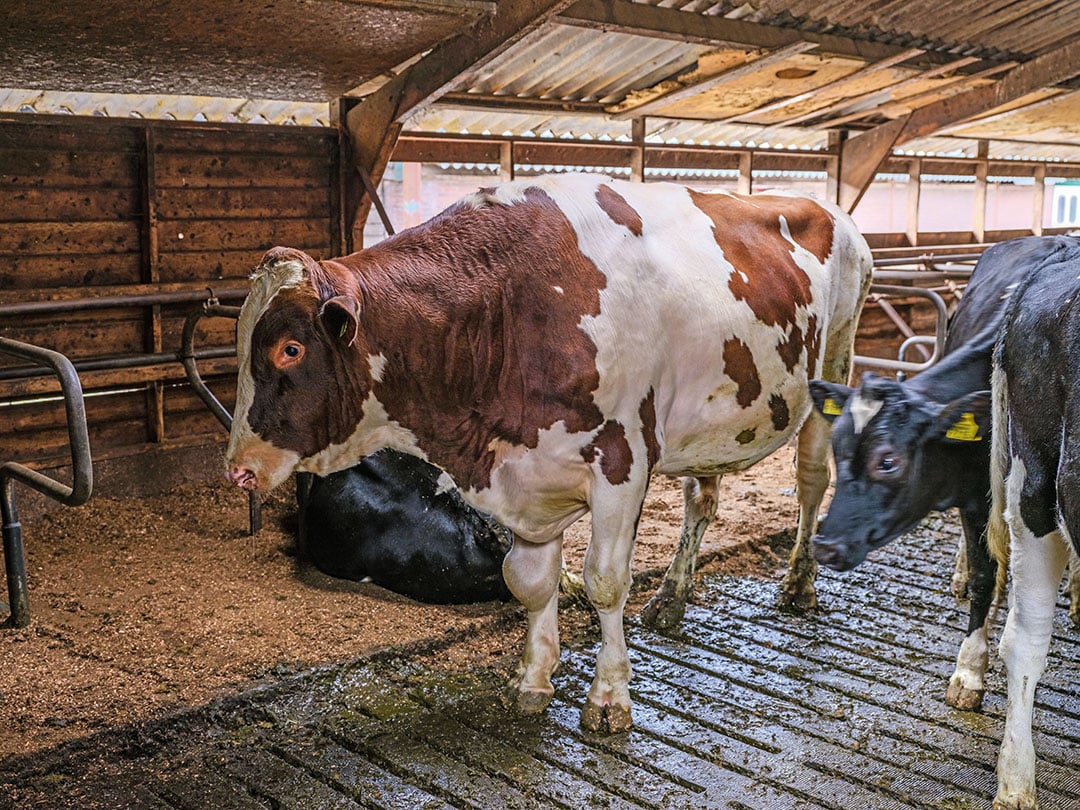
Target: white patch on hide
<point>445,483</point>
<point>377,365</point>
<point>863,410</point>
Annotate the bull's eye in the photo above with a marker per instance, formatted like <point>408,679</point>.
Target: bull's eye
<point>287,353</point>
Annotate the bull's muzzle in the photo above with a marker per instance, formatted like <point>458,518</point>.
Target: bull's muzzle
<point>243,477</point>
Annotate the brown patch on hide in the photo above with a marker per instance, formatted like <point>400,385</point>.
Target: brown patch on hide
<point>620,211</point>
<point>747,229</point>
<point>739,366</point>
<point>616,457</point>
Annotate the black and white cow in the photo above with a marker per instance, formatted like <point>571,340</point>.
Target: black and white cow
<point>903,449</point>
<point>391,519</point>
<point>1036,488</point>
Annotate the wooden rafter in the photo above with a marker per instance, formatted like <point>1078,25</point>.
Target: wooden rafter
<point>627,17</point>
<point>881,93</point>
<point>856,75</point>
<point>905,103</point>
<point>861,156</point>
<point>710,82</point>
<point>374,124</point>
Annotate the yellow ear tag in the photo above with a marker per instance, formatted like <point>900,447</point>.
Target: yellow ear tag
<point>830,408</point>
<point>344,329</point>
<point>964,429</point>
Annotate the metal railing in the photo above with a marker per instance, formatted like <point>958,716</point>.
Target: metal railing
<point>81,465</point>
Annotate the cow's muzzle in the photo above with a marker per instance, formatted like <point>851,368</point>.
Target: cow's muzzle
<point>243,477</point>
<point>834,554</point>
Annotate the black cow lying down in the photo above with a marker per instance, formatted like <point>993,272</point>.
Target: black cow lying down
<point>903,449</point>
<point>391,520</point>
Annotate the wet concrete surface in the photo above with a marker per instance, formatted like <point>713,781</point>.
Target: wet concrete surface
<point>746,708</point>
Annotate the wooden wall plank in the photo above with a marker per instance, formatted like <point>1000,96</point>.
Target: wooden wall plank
<point>49,238</point>
<point>178,236</point>
<point>42,272</point>
<point>195,170</point>
<point>241,203</point>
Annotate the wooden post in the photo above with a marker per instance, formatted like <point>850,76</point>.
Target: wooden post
<point>914,191</point>
<point>350,188</point>
<point>1037,212</point>
<point>506,161</point>
<point>746,173</point>
<point>637,158</point>
<point>982,169</point>
<point>832,181</point>
<point>155,392</point>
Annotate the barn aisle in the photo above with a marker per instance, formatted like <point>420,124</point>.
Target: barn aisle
<point>748,708</point>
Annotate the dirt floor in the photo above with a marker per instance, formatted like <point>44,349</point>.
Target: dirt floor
<point>144,606</point>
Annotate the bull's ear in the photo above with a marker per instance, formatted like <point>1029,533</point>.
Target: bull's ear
<point>829,398</point>
<point>341,317</point>
<point>966,419</point>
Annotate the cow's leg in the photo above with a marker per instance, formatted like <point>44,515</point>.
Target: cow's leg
<point>615,514</point>
<point>1074,586</point>
<point>531,571</point>
<point>1037,566</point>
<point>966,688</point>
<point>812,479</point>
<point>668,605</point>
<point>960,569</point>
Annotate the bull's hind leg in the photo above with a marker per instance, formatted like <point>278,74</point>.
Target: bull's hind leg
<point>531,572</point>
<point>615,513</point>
<point>812,479</point>
<point>668,605</point>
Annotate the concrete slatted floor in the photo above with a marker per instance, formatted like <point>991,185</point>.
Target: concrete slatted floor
<point>748,708</point>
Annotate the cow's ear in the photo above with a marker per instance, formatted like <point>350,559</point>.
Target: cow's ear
<point>829,398</point>
<point>341,317</point>
<point>963,420</point>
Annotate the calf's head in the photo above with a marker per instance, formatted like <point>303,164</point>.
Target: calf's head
<point>302,380</point>
<point>897,456</point>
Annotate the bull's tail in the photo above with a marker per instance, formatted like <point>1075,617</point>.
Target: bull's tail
<point>997,531</point>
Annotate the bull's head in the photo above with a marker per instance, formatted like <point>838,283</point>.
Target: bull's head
<point>896,455</point>
<point>302,376</point>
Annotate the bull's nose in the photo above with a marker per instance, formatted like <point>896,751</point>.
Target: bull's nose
<point>243,477</point>
<point>830,553</point>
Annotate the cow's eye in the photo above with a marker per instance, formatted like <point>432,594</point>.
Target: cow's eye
<point>293,350</point>
<point>887,463</point>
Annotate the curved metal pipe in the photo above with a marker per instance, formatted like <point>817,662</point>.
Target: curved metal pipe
<point>187,355</point>
<point>939,332</point>
<point>81,465</point>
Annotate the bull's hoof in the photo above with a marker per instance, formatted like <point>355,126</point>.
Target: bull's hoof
<point>960,697</point>
<point>665,610</point>
<point>526,701</point>
<point>609,718</point>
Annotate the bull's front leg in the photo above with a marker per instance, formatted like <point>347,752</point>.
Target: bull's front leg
<point>812,479</point>
<point>668,605</point>
<point>531,571</point>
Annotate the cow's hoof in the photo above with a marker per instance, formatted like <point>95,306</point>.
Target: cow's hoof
<point>960,697</point>
<point>663,611</point>
<point>526,701</point>
<point>793,597</point>
<point>611,718</point>
<point>1074,614</point>
<point>959,587</point>
<point>1015,801</point>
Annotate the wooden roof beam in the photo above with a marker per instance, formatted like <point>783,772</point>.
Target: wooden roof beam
<point>627,17</point>
<point>855,75</point>
<point>687,91</point>
<point>861,155</point>
<point>375,122</point>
